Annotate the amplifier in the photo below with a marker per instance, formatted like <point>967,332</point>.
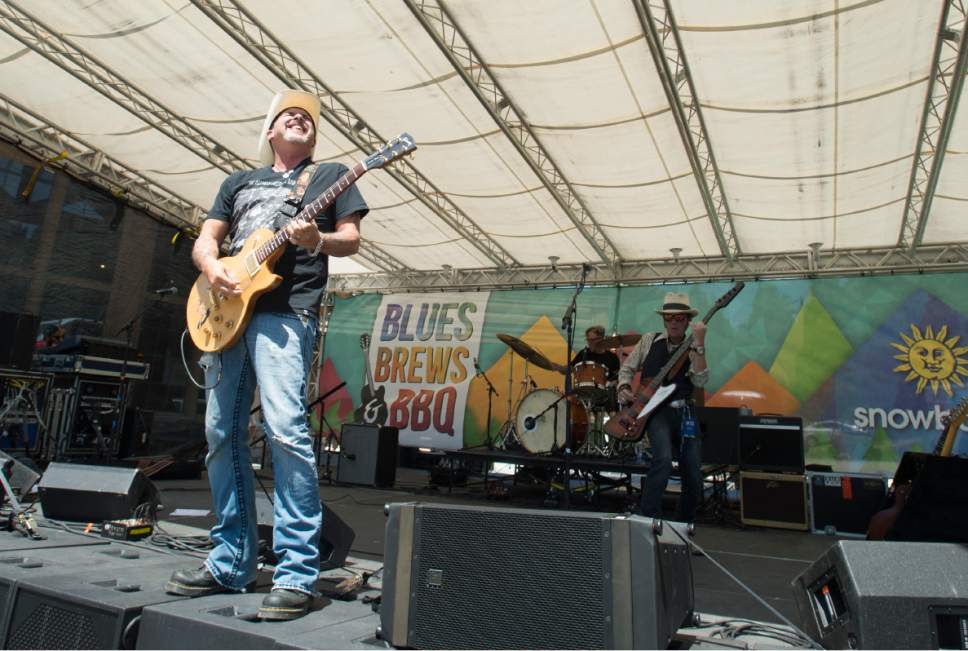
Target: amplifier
<point>720,435</point>
<point>771,444</point>
<point>368,455</point>
<point>842,504</point>
<point>773,500</point>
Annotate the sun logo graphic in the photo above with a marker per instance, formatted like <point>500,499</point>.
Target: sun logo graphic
<point>932,358</point>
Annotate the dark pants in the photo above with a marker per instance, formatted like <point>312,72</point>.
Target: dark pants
<point>667,443</point>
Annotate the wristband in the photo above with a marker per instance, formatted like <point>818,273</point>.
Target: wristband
<point>319,245</point>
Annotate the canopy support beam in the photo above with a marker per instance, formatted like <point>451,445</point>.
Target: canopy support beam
<point>449,37</point>
<point>49,44</point>
<point>948,258</point>
<point>665,44</point>
<point>937,120</point>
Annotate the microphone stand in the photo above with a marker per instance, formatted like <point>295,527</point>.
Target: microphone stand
<point>491,391</point>
<point>568,325</point>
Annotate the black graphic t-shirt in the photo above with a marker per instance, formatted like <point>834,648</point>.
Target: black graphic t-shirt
<point>251,200</point>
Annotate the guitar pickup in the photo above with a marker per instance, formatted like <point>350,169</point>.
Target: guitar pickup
<point>251,264</point>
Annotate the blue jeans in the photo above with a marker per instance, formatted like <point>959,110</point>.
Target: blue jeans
<point>666,437</point>
<point>275,352</point>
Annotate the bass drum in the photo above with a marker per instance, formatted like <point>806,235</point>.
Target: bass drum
<point>536,422</point>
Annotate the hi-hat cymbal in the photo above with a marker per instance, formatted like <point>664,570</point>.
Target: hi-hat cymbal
<point>526,351</point>
<point>621,341</point>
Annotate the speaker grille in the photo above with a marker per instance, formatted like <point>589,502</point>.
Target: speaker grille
<point>486,573</point>
<point>51,627</point>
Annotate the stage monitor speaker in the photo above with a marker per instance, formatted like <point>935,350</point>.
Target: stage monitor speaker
<point>771,444</point>
<point>65,563</point>
<point>21,477</point>
<point>83,493</point>
<point>335,539</point>
<point>17,335</point>
<point>368,455</point>
<point>719,427</point>
<point>85,610</point>
<point>471,577</point>
<point>938,501</point>
<point>886,595</point>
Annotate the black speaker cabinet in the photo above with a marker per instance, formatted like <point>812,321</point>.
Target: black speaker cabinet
<point>17,335</point>
<point>719,427</point>
<point>771,444</point>
<point>20,476</point>
<point>18,566</point>
<point>73,491</point>
<point>843,503</point>
<point>368,455</point>
<point>773,500</point>
<point>886,595</point>
<point>87,610</point>
<point>335,539</point>
<point>464,577</point>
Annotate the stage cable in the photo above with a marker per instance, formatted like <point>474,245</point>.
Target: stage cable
<point>188,372</point>
<point>811,643</point>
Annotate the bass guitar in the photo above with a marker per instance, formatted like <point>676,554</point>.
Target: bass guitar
<point>373,405</point>
<point>215,322</point>
<point>883,521</point>
<point>629,424</point>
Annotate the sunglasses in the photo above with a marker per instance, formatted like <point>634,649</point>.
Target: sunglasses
<point>668,318</point>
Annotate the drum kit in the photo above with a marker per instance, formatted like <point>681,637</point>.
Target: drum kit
<point>537,420</point>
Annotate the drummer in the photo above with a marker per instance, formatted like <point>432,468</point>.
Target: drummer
<point>595,351</point>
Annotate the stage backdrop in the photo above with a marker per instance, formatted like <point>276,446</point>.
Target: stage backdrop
<point>868,363</point>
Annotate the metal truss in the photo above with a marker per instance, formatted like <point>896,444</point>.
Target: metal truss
<point>265,48</point>
<point>449,37</point>
<point>48,43</point>
<point>811,263</point>
<point>44,140</point>
<point>664,41</point>
<point>944,90</point>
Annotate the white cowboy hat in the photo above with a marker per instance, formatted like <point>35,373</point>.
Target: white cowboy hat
<point>285,100</point>
<point>677,303</point>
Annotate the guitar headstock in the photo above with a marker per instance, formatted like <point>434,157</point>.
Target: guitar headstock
<point>726,298</point>
<point>396,148</point>
<point>365,341</point>
<point>959,411</point>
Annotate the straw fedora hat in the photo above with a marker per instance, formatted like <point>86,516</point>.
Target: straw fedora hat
<point>677,303</point>
<point>285,100</point>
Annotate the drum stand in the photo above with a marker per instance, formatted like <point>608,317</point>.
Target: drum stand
<point>508,433</point>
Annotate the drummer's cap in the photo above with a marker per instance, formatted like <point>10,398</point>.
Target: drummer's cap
<point>677,303</point>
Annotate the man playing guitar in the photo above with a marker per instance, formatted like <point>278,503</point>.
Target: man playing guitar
<point>274,352</point>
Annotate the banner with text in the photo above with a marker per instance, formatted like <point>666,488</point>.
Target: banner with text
<point>423,354</point>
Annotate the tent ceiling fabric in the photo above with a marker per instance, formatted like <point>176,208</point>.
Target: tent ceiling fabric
<point>812,110</point>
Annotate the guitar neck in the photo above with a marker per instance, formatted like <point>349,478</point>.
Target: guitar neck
<point>311,211</point>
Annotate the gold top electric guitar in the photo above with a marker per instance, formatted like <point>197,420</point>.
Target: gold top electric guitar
<point>215,322</point>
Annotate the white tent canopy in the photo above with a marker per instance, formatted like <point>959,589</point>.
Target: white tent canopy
<point>544,127</point>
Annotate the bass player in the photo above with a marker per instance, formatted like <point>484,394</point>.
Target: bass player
<point>274,353</point>
<point>672,429</point>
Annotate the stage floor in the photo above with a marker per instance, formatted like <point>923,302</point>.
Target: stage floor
<point>766,560</point>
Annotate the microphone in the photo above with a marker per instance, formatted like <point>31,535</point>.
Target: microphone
<point>529,422</point>
<point>477,368</point>
<point>166,290</point>
<point>586,267</point>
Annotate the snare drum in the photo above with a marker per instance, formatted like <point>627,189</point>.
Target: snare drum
<point>588,380</point>
<point>536,427</point>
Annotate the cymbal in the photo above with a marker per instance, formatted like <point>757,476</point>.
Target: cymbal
<point>621,341</point>
<point>526,351</point>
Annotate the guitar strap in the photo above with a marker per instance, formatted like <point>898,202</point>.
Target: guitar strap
<point>293,202</point>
